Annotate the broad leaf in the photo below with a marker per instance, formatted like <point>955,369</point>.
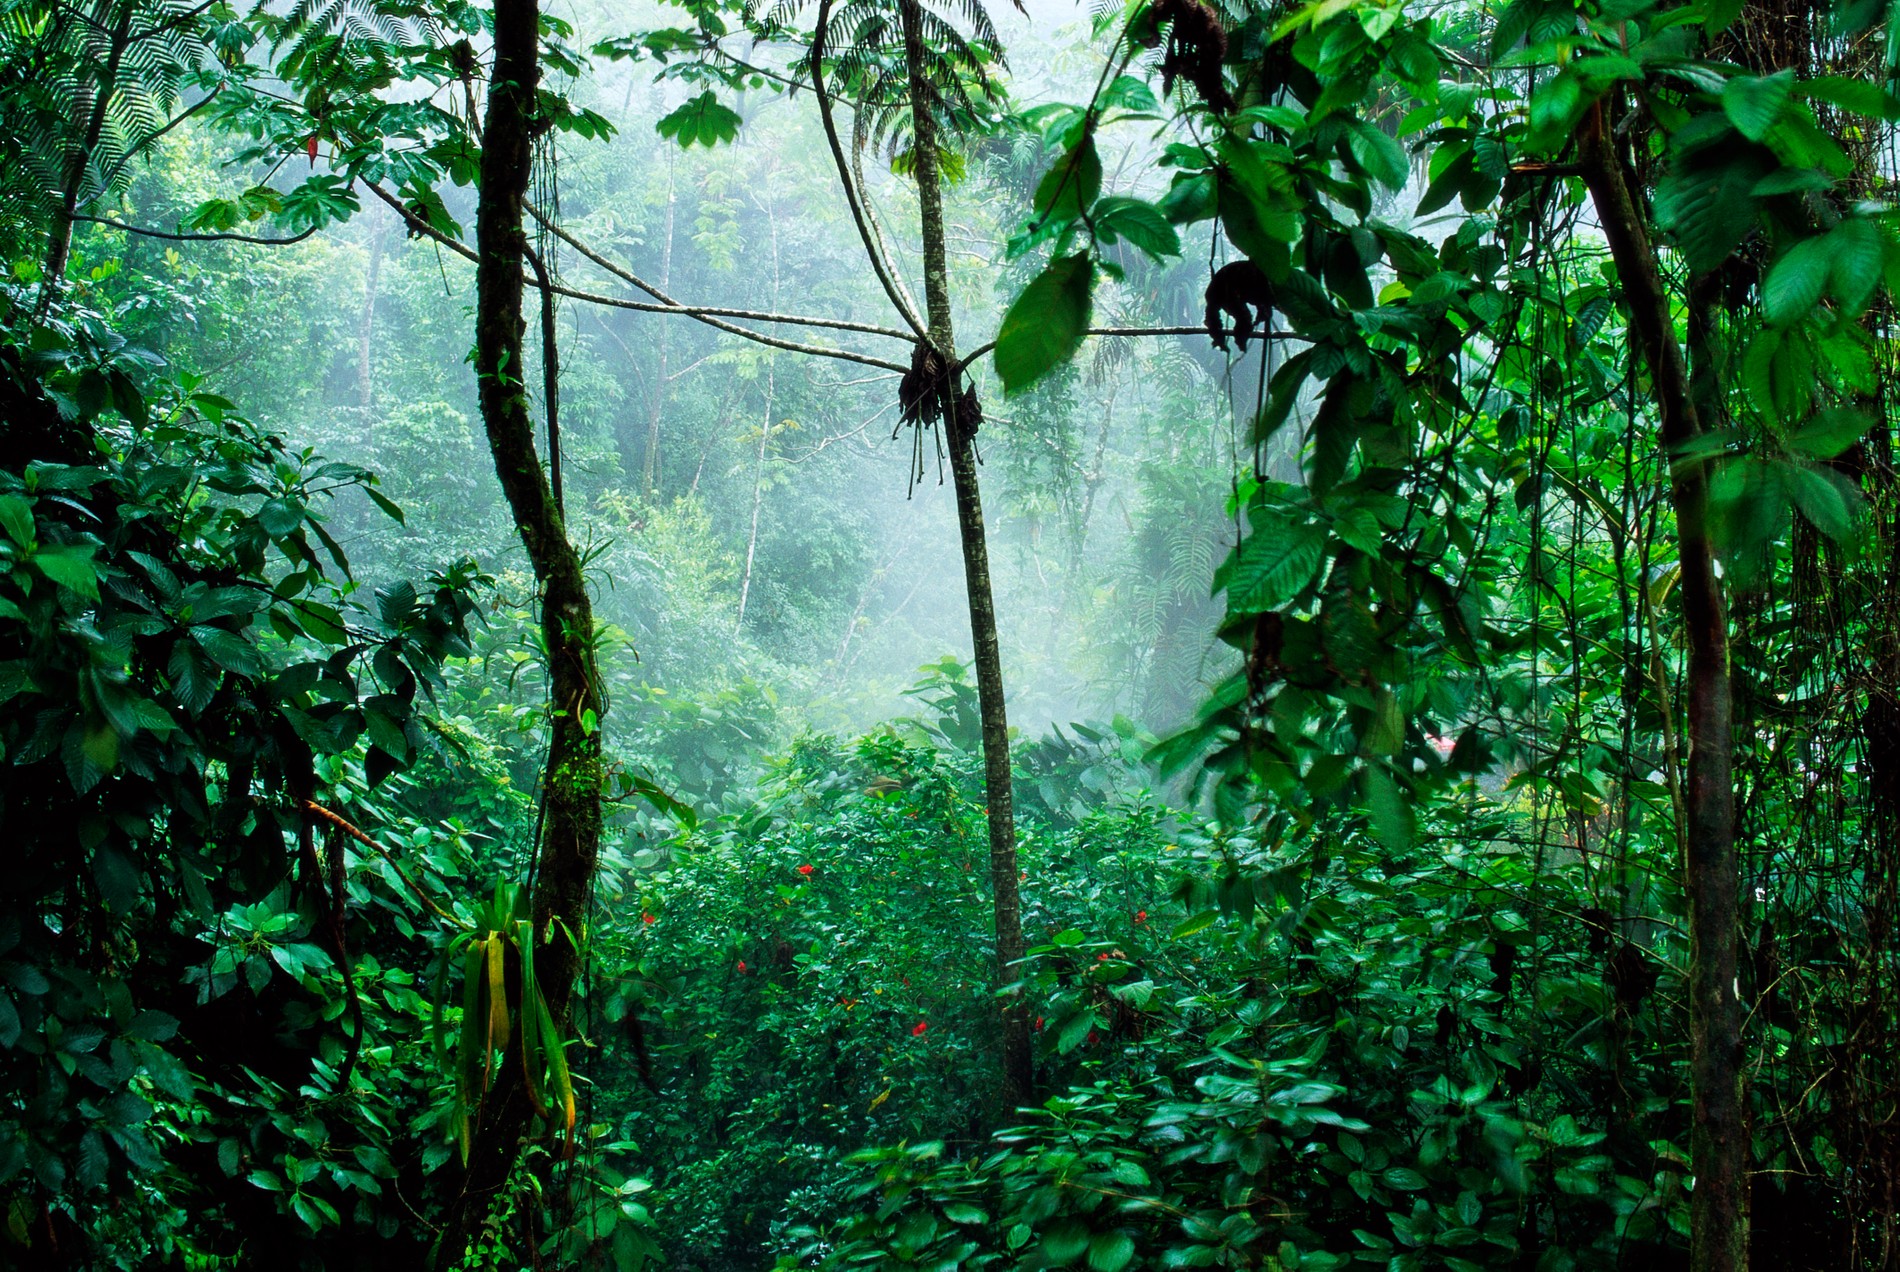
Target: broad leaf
<point>1118,217</point>
<point>1272,564</point>
<point>1795,284</point>
<point>1046,324</point>
<point>1753,103</point>
<point>704,120</point>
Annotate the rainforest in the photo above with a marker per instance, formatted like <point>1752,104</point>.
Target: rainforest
<point>952,634</point>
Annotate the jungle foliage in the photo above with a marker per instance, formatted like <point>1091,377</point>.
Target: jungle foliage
<point>1439,454</point>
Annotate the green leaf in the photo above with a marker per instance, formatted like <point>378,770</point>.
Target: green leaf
<point>1862,97</point>
<point>1046,324</point>
<point>1065,1241</point>
<point>1708,203</point>
<point>1111,1252</point>
<point>70,567</point>
<point>1403,1178</point>
<point>280,516</point>
<point>1855,252</point>
<point>1072,184</point>
<point>704,119</point>
<point>229,650</point>
<point>1753,103</point>
<point>1117,217</point>
<point>1382,158</point>
<point>1829,433</point>
<point>1717,14</point>
<point>1195,923</point>
<point>964,1212</point>
<point>1826,498</point>
<point>1272,565</point>
<point>386,504</point>
<point>1795,284</point>
<point>16,518</point>
<point>1390,813</point>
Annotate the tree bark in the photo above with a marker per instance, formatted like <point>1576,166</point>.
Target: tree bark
<point>1017,1057</point>
<point>1719,1139</point>
<point>59,242</point>
<point>570,841</point>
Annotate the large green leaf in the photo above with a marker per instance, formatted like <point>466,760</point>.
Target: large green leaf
<point>1826,498</point>
<point>1117,217</point>
<point>1072,184</point>
<point>1708,203</point>
<point>1795,284</point>
<point>1753,103</point>
<point>1382,158</point>
<point>1273,563</point>
<point>705,120</point>
<point>1046,324</point>
<point>1855,255</point>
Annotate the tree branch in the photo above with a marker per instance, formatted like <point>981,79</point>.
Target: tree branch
<point>872,247</point>
<point>965,363</point>
<point>195,238</point>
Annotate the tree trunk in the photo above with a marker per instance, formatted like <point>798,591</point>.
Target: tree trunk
<point>758,498</point>
<point>1719,1140</point>
<point>1018,1076</point>
<point>570,840</point>
<point>59,241</point>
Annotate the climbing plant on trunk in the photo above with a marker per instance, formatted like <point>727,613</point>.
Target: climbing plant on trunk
<point>569,846</point>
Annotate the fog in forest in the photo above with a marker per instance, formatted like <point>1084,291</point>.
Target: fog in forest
<point>705,471</point>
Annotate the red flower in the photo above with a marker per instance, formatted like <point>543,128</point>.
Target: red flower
<point>1039,1023</point>
<point>1094,1037</point>
<point>917,1030</point>
<point>805,870</point>
<point>646,918</point>
<point>1141,916</point>
<point>1101,958</point>
<point>742,967</point>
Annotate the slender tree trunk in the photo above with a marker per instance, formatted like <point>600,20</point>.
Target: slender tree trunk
<point>1719,1139</point>
<point>1018,1061</point>
<point>59,241</point>
<point>758,498</point>
<point>570,840</point>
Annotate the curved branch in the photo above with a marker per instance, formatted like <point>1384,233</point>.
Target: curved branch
<point>668,305</point>
<point>336,820</point>
<point>195,238</point>
<point>759,337</point>
<point>873,247</point>
<point>964,363</point>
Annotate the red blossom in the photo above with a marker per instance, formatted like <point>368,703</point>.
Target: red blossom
<point>646,918</point>
<point>917,1030</point>
<point>805,870</point>
<point>742,967</point>
<point>1039,1023</point>
<point>1141,916</point>
<point>1101,958</point>
<point>1094,1037</point>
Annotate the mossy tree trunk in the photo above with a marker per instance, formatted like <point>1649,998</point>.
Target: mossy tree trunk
<point>1017,1057</point>
<point>570,841</point>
